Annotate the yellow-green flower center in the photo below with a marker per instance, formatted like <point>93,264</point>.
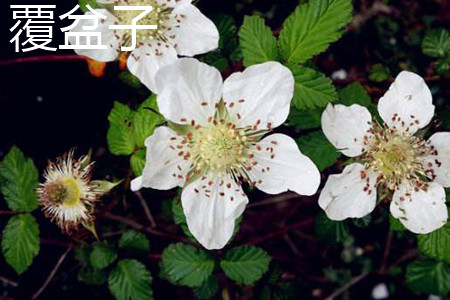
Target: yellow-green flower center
<point>66,191</point>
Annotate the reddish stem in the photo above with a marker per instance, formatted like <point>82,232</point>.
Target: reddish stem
<point>44,58</point>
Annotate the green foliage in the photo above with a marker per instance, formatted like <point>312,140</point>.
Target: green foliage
<point>187,265</point>
<point>128,129</point>
<point>102,255</point>
<point>137,161</point>
<point>312,27</point>
<point>436,244</point>
<point>245,264</point>
<point>208,289</point>
<point>362,222</point>
<point>329,230</point>
<point>18,181</point>
<point>305,119</point>
<point>131,80</point>
<point>134,240</point>
<point>20,242</point>
<point>379,73</point>
<point>442,65</point>
<point>436,43</point>
<point>216,59</point>
<point>257,41</point>
<point>130,280</point>
<point>312,88</point>
<point>429,277</point>
<point>317,147</point>
<point>180,219</point>
<point>92,3</point>
<point>395,224</point>
<point>354,93</point>
<point>226,26</point>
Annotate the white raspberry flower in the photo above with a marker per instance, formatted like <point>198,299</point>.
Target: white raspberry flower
<point>182,30</point>
<point>67,196</point>
<point>224,143</point>
<point>390,155</point>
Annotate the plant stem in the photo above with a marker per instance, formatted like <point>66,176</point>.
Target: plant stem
<point>43,58</point>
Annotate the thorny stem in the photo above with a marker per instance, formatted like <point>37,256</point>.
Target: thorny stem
<point>43,58</point>
<point>52,274</point>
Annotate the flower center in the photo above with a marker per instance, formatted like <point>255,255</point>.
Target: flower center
<point>396,156</point>
<point>66,191</point>
<point>157,16</point>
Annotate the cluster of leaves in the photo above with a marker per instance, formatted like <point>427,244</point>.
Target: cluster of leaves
<point>436,44</point>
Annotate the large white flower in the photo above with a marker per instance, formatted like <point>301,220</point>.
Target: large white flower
<point>390,155</point>
<point>223,143</point>
<point>182,30</point>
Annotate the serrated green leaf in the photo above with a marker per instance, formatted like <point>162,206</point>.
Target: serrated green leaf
<point>311,28</point>
<point>92,3</point>
<point>257,41</point>
<point>145,120</point>
<point>134,240</point>
<point>187,265</point>
<point>395,224</point>
<point>312,89</point>
<point>329,230</point>
<point>436,244</point>
<point>208,289</point>
<point>316,146</point>
<point>245,264</point>
<point>130,280</point>
<point>436,43</point>
<point>20,242</point>
<point>379,73</point>
<point>92,276</point>
<point>429,277</point>
<point>18,181</point>
<point>137,162</point>
<point>226,26</point>
<point>217,60</point>
<point>82,255</point>
<point>354,93</point>
<point>102,255</point>
<point>180,219</point>
<point>130,80</point>
<point>120,135</point>
<point>442,65</point>
<point>305,119</point>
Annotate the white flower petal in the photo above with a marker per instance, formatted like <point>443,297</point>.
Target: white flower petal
<point>408,104</point>
<point>188,90</point>
<point>440,163</point>
<point>165,168</point>
<point>191,31</point>
<point>418,210</point>
<point>351,194</point>
<point>346,126</point>
<point>173,3</point>
<point>111,38</point>
<point>281,167</point>
<point>211,206</point>
<point>260,96</point>
<point>145,61</point>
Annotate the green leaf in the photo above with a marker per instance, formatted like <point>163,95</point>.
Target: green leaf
<point>442,65</point>
<point>436,43</point>
<point>311,28</point>
<point>102,255</point>
<point>187,265</point>
<point>312,89</point>
<point>180,219</point>
<point>429,277</point>
<point>245,264</point>
<point>208,289</point>
<point>395,224</point>
<point>92,276</point>
<point>18,181</point>
<point>145,120</point>
<point>317,147</point>
<point>20,242</point>
<point>436,244</point>
<point>216,59</point>
<point>257,41</point>
<point>379,73</point>
<point>130,280</point>
<point>130,80</point>
<point>92,3</point>
<point>329,230</point>
<point>354,93</point>
<point>305,119</point>
<point>135,240</point>
<point>226,26</point>
<point>137,162</point>
<point>120,135</point>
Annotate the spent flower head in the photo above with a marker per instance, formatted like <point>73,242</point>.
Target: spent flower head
<point>223,143</point>
<point>390,155</point>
